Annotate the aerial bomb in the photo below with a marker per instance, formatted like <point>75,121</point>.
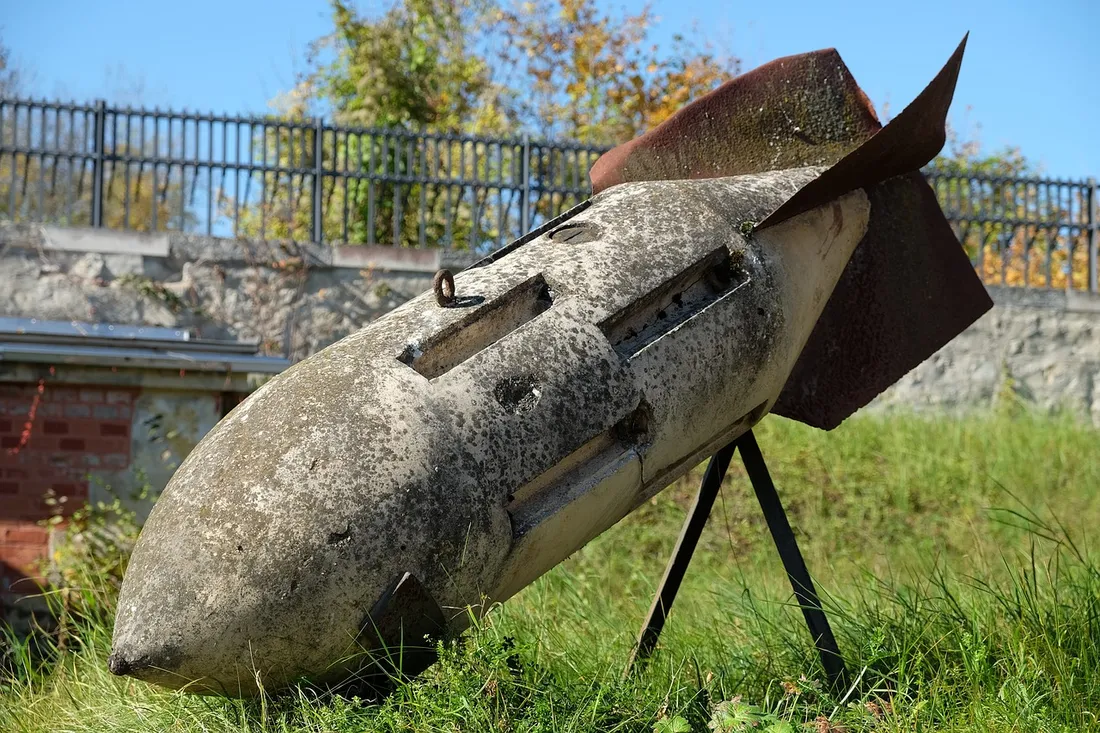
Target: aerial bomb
<point>769,248</point>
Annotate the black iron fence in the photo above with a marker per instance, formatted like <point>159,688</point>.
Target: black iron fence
<point>271,178</point>
<point>1028,232</point>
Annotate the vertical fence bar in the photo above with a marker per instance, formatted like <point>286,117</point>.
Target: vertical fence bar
<point>398,212</point>
<point>154,200</point>
<point>370,185</point>
<point>525,192</point>
<point>236,172</point>
<point>1091,202</point>
<point>99,138</point>
<point>183,169</point>
<point>1052,237</point>
<point>210,174</point>
<point>70,144</point>
<point>12,188</point>
<point>41,208</point>
<point>318,182</point>
<point>126,172</point>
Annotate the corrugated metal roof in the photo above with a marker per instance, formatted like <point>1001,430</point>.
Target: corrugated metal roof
<point>135,347</point>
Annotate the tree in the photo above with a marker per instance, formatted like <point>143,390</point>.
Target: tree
<point>553,69</point>
<point>56,187</point>
<point>415,67</point>
<point>597,78</point>
<point>1012,226</point>
<point>10,82</point>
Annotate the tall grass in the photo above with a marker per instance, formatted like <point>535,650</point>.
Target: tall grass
<point>952,555</point>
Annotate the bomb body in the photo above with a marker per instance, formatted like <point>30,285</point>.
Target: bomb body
<point>474,447</point>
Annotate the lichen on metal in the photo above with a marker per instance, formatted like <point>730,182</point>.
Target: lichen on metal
<point>406,478</point>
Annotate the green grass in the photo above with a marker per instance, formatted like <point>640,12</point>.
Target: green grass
<point>953,555</point>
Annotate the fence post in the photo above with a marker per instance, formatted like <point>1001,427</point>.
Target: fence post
<point>316,219</point>
<point>99,142</point>
<point>525,193</point>
<point>1091,201</point>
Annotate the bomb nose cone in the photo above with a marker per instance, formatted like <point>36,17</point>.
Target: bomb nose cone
<point>276,538</point>
<point>150,665</point>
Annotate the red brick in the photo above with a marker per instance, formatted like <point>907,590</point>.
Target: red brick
<point>105,412</point>
<point>23,533</point>
<point>23,507</point>
<point>62,394</point>
<point>115,430</point>
<point>25,560</point>
<point>16,473</point>
<point>10,441</point>
<point>6,426</point>
<point>69,394</point>
<point>58,461</point>
<point>86,428</point>
<point>55,427</point>
<point>72,444</point>
<point>9,487</point>
<point>35,458</point>
<point>23,556</point>
<point>78,410</point>
<point>119,397</point>
<point>103,445</point>
<point>70,489</point>
<point>33,483</point>
<point>91,395</point>
<point>50,410</point>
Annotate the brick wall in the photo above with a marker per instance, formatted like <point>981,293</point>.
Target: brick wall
<point>51,437</point>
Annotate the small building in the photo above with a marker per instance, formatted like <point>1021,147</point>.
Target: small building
<point>90,410</point>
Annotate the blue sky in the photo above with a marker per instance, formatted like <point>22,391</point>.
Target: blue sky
<point>1031,76</point>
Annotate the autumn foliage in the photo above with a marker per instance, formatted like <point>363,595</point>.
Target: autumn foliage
<point>549,69</point>
<point>554,68</point>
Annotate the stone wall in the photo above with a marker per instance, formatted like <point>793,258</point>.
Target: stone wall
<point>1042,346</point>
<point>295,299</point>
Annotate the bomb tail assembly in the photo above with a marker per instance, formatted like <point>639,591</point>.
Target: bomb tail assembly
<point>770,248</point>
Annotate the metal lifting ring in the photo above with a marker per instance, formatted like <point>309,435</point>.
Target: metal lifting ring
<point>444,286</point>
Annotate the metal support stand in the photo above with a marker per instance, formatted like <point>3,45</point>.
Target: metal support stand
<point>785,542</point>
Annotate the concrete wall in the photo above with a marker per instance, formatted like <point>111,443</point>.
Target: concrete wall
<point>296,299</point>
<point>293,299</point>
<point>1043,346</point>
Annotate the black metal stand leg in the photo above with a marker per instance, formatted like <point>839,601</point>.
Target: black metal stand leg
<point>789,553</point>
<point>793,563</point>
<point>681,555</point>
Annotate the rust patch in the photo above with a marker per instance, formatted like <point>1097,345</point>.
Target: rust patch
<point>907,143</point>
<point>908,289</point>
<point>795,111</point>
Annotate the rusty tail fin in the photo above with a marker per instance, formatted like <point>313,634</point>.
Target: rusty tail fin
<point>909,287</point>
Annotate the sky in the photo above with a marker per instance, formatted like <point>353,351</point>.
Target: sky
<point>1030,77</point>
